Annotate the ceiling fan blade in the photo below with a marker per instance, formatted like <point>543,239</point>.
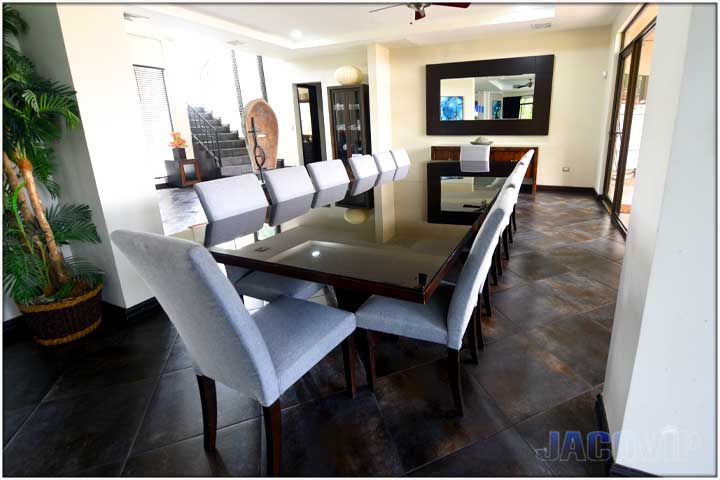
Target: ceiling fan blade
<point>419,15</point>
<point>385,8</point>
<point>456,5</point>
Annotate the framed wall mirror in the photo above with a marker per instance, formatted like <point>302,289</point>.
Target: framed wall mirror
<point>506,96</point>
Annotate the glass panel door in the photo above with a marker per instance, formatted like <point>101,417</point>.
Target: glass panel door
<point>616,135</point>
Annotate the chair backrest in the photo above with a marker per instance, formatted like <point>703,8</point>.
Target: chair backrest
<point>472,277</point>
<point>527,157</point>
<point>401,173</point>
<point>329,195</point>
<point>327,174</point>
<point>475,158</point>
<point>289,182</point>
<point>384,162</point>
<point>363,166</point>
<point>221,336</point>
<point>227,197</point>
<point>401,157</point>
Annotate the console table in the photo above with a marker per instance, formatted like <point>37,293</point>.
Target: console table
<point>497,154</point>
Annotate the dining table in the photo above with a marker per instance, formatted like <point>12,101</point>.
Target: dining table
<point>353,250</point>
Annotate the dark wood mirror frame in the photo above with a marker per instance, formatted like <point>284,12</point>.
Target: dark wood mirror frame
<point>541,66</point>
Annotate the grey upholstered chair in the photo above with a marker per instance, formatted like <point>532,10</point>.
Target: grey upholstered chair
<point>261,355</point>
<point>328,174</point>
<point>385,162</point>
<point>287,183</point>
<point>401,157</point>
<point>232,196</point>
<point>363,166</point>
<point>445,318</point>
<point>522,166</point>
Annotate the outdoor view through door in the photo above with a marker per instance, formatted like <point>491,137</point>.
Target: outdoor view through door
<point>628,114</point>
<point>307,98</point>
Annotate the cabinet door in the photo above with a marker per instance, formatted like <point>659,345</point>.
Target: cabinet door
<point>355,132</point>
<point>339,103</point>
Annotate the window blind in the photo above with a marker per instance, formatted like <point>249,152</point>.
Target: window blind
<point>156,119</point>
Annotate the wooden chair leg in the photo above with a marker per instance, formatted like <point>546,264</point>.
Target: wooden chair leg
<point>486,297</point>
<point>478,330</point>
<point>348,349</point>
<point>498,260</point>
<point>493,269</point>
<point>208,400</point>
<point>510,232</point>
<point>453,365</point>
<point>506,247</point>
<point>472,332</point>
<point>273,438</point>
<point>514,220</point>
<point>370,364</point>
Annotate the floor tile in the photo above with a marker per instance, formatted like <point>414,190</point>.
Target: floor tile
<point>607,248</point>
<point>534,266</point>
<point>179,357</point>
<point>29,371</point>
<point>524,379</point>
<point>603,315</point>
<point>572,256</point>
<point>580,290</point>
<point>175,412</point>
<point>238,454</point>
<point>78,432</point>
<point>418,407</point>
<point>508,279</point>
<point>497,326</point>
<point>505,454</point>
<point>12,419</point>
<point>338,436</point>
<point>603,271</point>
<point>108,470</point>
<point>578,341</point>
<point>395,354</point>
<point>532,305</point>
<point>575,415</point>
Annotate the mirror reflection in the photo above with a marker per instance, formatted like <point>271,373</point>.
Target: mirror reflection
<point>503,97</point>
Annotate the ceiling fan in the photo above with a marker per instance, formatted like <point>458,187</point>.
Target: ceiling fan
<point>419,8</point>
<point>529,84</point>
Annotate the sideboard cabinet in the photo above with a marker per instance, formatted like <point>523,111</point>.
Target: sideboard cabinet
<point>497,154</point>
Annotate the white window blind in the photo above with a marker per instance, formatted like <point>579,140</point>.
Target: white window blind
<point>157,122</point>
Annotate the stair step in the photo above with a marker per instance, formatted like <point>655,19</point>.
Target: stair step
<point>240,143</point>
<point>233,152</point>
<point>228,136</point>
<point>215,122</point>
<point>236,160</point>
<point>234,170</point>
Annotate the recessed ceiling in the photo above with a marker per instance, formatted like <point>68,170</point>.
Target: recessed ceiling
<point>289,30</point>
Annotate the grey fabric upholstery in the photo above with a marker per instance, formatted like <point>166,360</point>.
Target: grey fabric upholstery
<point>230,196</point>
<point>224,340</point>
<point>217,330</point>
<point>299,334</point>
<point>446,316</point>
<point>289,209</point>
<point>363,166</point>
<point>286,183</point>
<point>475,158</point>
<point>385,177</point>
<point>401,173</point>
<point>384,162</point>
<point>269,287</point>
<point>364,184</point>
<point>408,319</point>
<point>329,195</point>
<point>401,157</point>
<point>328,174</point>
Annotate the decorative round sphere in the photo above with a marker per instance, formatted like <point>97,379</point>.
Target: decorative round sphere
<point>348,75</point>
<point>356,216</point>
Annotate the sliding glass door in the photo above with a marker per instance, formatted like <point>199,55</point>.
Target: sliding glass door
<point>628,115</point>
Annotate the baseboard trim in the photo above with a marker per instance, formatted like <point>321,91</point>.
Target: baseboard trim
<point>612,468</point>
<point>565,189</point>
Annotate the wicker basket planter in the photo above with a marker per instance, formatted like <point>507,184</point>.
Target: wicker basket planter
<point>66,320</point>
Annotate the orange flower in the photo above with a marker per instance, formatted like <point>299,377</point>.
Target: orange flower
<point>177,140</point>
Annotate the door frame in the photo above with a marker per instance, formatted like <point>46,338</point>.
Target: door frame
<point>633,48</point>
<point>317,122</point>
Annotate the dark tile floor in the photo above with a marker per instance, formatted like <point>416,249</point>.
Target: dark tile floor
<point>124,401</point>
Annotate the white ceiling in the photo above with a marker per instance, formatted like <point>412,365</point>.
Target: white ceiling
<point>290,30</point>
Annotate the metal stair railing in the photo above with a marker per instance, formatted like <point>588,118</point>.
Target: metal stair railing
<point>204,133</point>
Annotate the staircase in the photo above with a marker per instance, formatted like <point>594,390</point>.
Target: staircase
<point>219,151</point>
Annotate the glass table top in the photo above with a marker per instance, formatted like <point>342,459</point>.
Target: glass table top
<point>468,194</point>
<point>311,238</point>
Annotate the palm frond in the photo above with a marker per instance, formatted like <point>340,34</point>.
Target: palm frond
<point>71,222</point>
<point>83,271</point>
<point>25,276</point>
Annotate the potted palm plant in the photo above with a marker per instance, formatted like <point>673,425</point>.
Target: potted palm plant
<point>58,294</point>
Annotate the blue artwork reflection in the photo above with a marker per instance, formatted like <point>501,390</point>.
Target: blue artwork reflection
<point>451,108</point>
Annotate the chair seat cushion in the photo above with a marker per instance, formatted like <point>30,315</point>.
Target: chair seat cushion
<point>270,287</point>
<point>408,319</point>
<point>299,334</point>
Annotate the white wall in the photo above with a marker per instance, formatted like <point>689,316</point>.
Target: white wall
<point>114,179</point>
<point>280,75</point>
<point>461,87</point>
<point>660,383</point>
